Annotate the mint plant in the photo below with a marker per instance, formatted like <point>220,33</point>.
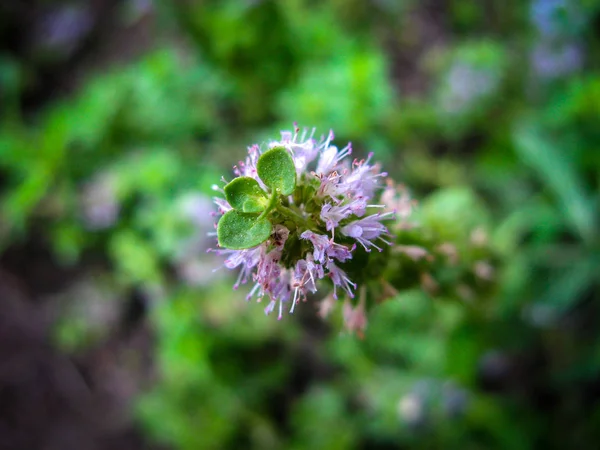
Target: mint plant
<point>301,210</point>
<point>296,213</point>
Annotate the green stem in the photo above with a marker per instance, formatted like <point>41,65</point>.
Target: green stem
<point>285,211</point>
<point>271,205</point>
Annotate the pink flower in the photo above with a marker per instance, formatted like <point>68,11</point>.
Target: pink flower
<point>340,279</point>
<point>329,203</point>
<point>332,215</point>
<point>368,229</point>
<point>325,248</point>
<point>362,180</point>
<point>331,157</point>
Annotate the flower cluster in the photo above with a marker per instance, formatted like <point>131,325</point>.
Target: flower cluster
<point>298,210</point>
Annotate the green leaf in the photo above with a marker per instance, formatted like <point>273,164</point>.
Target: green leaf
<point>238,231</point>
<point>245,195</point>
<point>552,162</point>
<point>277,170</point>
<point>566,288</point>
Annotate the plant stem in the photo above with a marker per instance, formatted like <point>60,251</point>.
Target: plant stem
<point>272,204</point>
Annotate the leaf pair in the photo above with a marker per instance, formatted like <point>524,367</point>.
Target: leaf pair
<point>246,226</point>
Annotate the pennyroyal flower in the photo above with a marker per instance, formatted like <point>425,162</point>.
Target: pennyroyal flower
<point>296,212</point>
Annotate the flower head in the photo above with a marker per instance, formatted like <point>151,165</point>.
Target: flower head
<point>296,213</point>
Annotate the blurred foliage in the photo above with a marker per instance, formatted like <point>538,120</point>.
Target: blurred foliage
<point>487,111</point>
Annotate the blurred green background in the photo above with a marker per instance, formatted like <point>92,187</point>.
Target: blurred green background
<point>116,117</point>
